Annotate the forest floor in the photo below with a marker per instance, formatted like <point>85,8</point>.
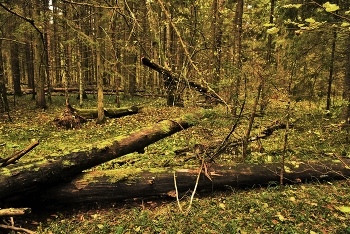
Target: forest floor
<point>315,207</point>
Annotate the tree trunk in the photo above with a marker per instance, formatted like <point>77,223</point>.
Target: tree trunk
<point>237,48</point>
<point>3,93</point>
<point>15,68</point>
<point>39,73</point>
<point>18,179</point>
<point>98,186</point>
<point>346,86</point>
<point>331,71</point>
<point>217,22</point>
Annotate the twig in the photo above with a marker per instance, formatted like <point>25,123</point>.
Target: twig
<point>177,193</point>
<point>3,226</point>
<point>195,187</point>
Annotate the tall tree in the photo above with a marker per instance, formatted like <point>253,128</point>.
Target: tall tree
<point>217,31</point>
<point>237,61</point>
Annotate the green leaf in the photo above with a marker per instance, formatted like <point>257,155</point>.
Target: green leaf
<point>344,209</point>
<point>297,6</point>
<point>272,30</point>
<point>222,206</point>
<point>310,20</point>
<point>268,25</point>
<point>345,24</point>
<point>100,226</point>
<point>329,7</point>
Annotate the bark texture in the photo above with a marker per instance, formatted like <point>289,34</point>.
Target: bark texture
<point>99,186</point>
<point>19,179</point>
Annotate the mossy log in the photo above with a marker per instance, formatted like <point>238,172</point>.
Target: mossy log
<point>109,112</point>
<point>113,185</point>
<point>19,178</point>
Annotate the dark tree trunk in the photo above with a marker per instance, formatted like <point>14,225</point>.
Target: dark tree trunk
<point>3,93</point>
<point>16,179</point>
<point>98,186</point>
<point>15,68</point>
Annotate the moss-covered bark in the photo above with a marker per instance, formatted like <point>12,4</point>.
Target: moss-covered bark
<point>21,178</point>
<point>112,185</point>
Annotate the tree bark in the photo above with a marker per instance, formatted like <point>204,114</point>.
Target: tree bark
<point>99,186</point>
<point>18,179</point>
<point>108,112</point>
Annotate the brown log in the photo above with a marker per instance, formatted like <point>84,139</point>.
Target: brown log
<point>22,178</point>
<point>99,186</point>
<point>18,155</point>
<point>14,211</point>
<point>109,112</point>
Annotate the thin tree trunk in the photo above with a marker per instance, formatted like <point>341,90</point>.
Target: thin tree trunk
<point>250,124</point>
<point>331,70</point>
<point>237,54</point>
<point>15,68</point>
<point>217,8</point>
<point>264,89</point>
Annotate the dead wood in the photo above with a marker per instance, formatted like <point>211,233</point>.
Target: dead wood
<point>19,179</point>
<point>17,156</point>
<point>212,148</point>
<point>14,211</point>
<point>17,229</point>
<point>109,112</point>
<point>70,119</point>
<point>98,186</point>
<point>170,77</point>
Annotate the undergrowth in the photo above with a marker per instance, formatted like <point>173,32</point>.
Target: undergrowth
<point>309,208</point>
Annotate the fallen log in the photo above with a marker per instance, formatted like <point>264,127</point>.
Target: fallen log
<point>109,112</point>
<point>170,77</point>
<point>20,179</point>
<point>14,211</point>
<point>113,185</point>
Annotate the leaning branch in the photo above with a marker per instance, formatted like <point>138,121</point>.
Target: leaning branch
<point>172,77</point>
<point>18,155</point>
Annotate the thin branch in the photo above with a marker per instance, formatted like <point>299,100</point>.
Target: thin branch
<point>333,13</point>
<point>3,226</point>
<point>177,193</point>
<point>91,5</point>
<point>31,21</point>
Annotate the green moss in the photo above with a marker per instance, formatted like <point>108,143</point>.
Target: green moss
<point>67,163</point>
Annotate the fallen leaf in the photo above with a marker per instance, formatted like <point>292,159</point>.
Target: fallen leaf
<point>344,209</point>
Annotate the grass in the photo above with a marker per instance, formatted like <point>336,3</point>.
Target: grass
<point>307,208</point>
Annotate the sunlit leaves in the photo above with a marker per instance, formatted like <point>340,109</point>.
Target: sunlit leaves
<point>329,7</point>
<point>268,25</point>
<point>272,30</point>
<point>345,24</point>
<point>344,209</point>
<point>310,20</point>
<point>288,6</point>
